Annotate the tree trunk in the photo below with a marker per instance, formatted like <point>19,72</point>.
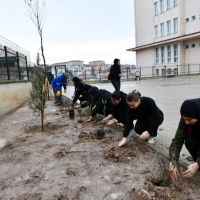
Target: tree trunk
<point>42,121</point>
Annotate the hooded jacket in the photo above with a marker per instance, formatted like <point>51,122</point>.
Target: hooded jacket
<point>59,82</point>
<point>119,111</point>
<point>81,89</point>
<point>102,102</point>
<point>182,133</point>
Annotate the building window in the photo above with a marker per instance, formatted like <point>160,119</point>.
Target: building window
<point>169,53</point>
<point>162,29</point>
<point>157,55</point>
<point>175,53</point>
<point>187,46</point>
<point>175,25</point>
<point>175,3</point>
<point>161,6</point>
<point>193,17</point>
<point>168,4</point>
<point>187,19</point>
<point>156,8</point>
<point>193,45</point>
<point>169,27</point>
<point>156,31</point>
<point>162,54</point>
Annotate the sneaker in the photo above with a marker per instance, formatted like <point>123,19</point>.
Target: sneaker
<point>152,140</point>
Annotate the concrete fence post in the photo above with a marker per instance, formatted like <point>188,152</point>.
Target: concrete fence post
<point>6,62</point>
<point>18,67</point>
<point>27,68</point>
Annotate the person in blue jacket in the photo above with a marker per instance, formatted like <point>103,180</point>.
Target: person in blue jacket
<point>57,84</point>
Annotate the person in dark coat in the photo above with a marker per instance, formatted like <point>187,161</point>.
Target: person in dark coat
<point>81,91</point>
<point>119,109</point>
<point>57,84</point>
<point>115,74</point>
<point>100,102</point>
<point>188,132</point>
<point>149,117</point>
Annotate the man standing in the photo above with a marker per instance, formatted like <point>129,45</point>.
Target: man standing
<point>57,84</point>
<point>115,74</point>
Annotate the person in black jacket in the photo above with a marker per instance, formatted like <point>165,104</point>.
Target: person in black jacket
<point>81,91</point>
<point>188,133</point>
<point>115,74</point>
<point>149,117</point>
<point>119,109</point>
<point>100,102</point>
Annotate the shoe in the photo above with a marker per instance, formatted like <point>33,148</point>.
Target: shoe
<point>152,140</point>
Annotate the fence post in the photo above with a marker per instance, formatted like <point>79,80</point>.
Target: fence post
<point>152,71</point>
<point>27,68</point>
<point>140,72</point>
<point>177,72</point>
<point>85,75</point>
<point>127,73</point>
<point>199,68</point>
<point>18,67</point>
<point>56,71</point>
<point>188,69</point>
<point>100,75</point>
<point>6,59</point>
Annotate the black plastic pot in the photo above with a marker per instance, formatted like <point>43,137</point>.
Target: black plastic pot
<point>71,114</point>
<point>100,134</point>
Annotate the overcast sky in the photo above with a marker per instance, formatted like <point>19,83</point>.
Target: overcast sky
<point>74,29</point>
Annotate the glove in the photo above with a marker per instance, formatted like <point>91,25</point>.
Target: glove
<point>122,142</point>
<point>65,91</point>
<point>58,93</point>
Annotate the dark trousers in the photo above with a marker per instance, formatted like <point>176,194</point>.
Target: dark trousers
<point>142,126</point>
<point>58,100</point>
<point>116,84</point>
<point>193,146</point>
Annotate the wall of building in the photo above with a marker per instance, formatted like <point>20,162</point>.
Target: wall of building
<point>192,8</point>
<point>13,95</point>
<point>144,11</point>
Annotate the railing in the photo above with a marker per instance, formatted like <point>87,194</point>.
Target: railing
<point>133,73</point>
<point>13,65</point>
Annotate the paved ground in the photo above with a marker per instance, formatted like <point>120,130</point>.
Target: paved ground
<point>169,93</point>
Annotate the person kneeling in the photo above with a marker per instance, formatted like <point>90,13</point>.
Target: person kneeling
<point>119,110</point>
<point>149,117</point>
<point>188,132</point>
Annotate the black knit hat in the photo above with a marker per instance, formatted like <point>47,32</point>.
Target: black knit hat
<point>190,109</point>
<point>93,91</point>
<point>76,79</point>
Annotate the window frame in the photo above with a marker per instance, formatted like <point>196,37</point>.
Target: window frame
<point>175,50</point>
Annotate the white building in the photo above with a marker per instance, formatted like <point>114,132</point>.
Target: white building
<point>167,36</point>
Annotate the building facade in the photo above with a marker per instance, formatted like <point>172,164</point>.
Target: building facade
<point>167,36</point>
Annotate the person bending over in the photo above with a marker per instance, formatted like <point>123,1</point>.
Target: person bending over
<point>188,132</point>
<point>57,84</point>
<point>147,115</point>
<point>100,102</point>
<point>119,109</point>
<point>81,91</point>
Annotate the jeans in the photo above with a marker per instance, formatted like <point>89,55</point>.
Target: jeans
<point>58,100</point>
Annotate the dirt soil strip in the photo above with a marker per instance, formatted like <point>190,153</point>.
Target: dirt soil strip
<point>68,162</point>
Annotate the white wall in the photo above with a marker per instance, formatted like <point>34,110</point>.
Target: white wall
<point>12,95</point>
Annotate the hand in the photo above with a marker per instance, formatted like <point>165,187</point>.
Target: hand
<point>174,173</point>
<point>122,142</point>
<point>90,119</point>
<point>191,170</point>
<point>65,91</point>
<point>58,93</point>
<point>110,123</point>
<point>145,135</point>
